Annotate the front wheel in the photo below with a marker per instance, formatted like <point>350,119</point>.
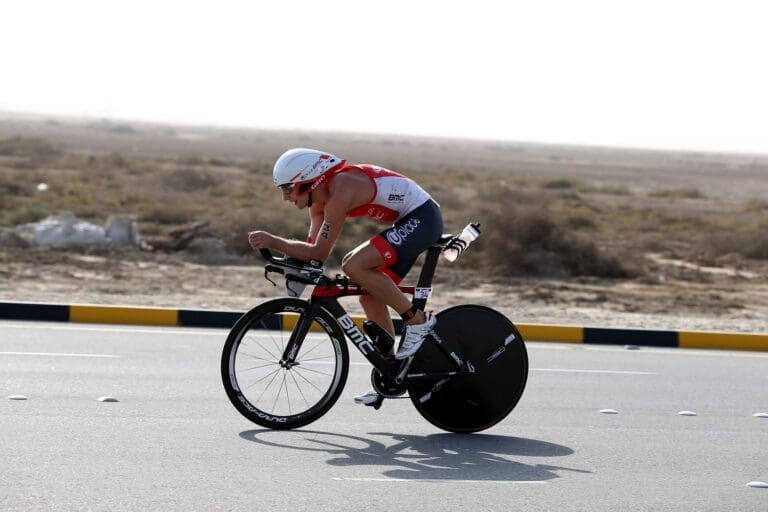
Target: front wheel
<point>264,388</point>
<point>479,400</point>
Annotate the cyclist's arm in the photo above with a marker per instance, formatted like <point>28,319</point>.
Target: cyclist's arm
<point>335,213</point>
<point>343,196</point>
<point>316,217</point>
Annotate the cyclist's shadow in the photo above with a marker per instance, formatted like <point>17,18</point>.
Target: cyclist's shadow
<point>434,457</point>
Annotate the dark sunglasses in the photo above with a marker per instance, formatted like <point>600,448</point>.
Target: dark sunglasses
<point>287,188</point>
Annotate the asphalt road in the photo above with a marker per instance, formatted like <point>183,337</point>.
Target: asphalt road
<point>174,442</point>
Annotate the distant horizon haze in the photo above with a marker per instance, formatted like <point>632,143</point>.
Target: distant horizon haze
<point>192,126</point>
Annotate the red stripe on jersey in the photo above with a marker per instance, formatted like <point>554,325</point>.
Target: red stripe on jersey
<point>376,212</point>
<point>370,209</point>
<point>388,271</point>
<point>385,249</point>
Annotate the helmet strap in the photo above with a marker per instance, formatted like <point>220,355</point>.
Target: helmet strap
<point>317,182</point>
<point>309,202</point>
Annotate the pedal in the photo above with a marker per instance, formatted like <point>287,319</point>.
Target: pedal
<point>376,404</point>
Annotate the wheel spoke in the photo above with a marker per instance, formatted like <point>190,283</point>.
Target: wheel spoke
<point>279,346</point>
<point>274,360</point>
<point>257,367</point>
<point>287,395</point>
<point>316,359</point>
<point>277,395</point>
<point>262,330</point>
<point>310,350</point>
<point>259,345</point>
<point>313,371</point>
<point>274,374</point>
<point>296,383</point>
<point>308,381</point>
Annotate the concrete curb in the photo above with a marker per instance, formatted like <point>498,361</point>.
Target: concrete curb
<point>136,315</point>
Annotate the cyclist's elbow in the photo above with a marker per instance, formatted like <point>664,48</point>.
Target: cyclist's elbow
<point>318,253</point>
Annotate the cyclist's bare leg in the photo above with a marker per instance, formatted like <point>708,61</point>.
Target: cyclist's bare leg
<point>378,312</point>
<point>361,265</point>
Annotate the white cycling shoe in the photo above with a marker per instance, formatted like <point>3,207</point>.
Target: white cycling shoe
<point>369,398</point>
<point>414,336</point>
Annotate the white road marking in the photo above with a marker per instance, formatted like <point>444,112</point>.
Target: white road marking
<point>168,330</point>
<point>678,351</point>
<point>435,480</point>
<point>574,370</point>
<point>53,354</point>
<point>530,345</point>
<point>199,332</point>
<point>559,370</point>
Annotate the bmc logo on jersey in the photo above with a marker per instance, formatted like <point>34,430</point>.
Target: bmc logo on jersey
<point>398,235</point>
<point>397,197</point>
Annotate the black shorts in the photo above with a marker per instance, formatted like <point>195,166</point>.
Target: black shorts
<point>410,236</point>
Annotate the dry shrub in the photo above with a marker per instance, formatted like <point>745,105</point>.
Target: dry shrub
<point>188,180</point>
<point>578,221</point>
<point>522,239</point>
<point>752,243</point>
<point>170,214</point>
<point>560,183</point>
<point>11,184</point>
<point>27,147</point>
<point>32,212</point>
<point>755,205</point>
<point>682,193</point>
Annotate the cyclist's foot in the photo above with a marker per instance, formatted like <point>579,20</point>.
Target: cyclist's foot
<point>371,398</point>
<point>414,336</point>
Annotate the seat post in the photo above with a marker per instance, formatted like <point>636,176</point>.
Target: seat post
<point>427,274</point>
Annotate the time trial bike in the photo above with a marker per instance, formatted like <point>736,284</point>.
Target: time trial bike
<point>285,362</point>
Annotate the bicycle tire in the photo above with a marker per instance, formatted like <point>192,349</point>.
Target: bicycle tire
<point>273,395</point>
<point>474,401</point>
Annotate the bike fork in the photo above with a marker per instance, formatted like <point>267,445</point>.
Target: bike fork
<point>288,359</point>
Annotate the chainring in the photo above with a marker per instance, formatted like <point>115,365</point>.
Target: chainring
<point>386,389</point>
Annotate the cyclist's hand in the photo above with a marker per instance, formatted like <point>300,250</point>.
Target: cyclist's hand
<point>260,239</point>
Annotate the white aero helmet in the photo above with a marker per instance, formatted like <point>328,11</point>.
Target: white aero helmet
<point>299,166</point>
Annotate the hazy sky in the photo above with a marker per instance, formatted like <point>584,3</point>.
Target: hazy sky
<point>662,74</point>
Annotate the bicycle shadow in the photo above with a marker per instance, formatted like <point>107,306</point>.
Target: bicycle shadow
<point>476,457</point>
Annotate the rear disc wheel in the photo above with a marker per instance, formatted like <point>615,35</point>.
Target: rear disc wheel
<point>479,400</point>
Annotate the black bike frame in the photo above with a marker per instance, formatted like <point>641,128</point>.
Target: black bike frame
<point>326,295</point>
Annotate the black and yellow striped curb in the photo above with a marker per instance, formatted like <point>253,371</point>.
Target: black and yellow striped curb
<point>644,337</point>
<point>91,313</point>
<point>94,313</point>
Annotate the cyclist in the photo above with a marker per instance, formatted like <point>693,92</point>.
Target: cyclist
<point>332,190</point>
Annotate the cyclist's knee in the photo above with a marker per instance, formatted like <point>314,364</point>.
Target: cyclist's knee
<point>353,265</point>
<point>349,266</point>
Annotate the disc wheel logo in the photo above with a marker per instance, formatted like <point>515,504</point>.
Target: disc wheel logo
<point>399,234</point>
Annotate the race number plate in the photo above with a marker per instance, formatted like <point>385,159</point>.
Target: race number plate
<point>422,293</point>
